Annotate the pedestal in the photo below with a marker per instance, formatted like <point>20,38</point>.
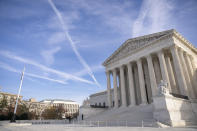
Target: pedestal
<point>174,111</point>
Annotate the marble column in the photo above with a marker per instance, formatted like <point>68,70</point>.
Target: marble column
<point>194,67</point>
<point>123,88</point>
<point>157,70</point>
<point>136,85</point>
<point>153,81</point>
<point>191,74</point>
<point>174,89</point>
<point>109,89</point>
<point>115,88</point>
<point>164,72</point>
<point>119,89</point>
<point>131,84</point>
<point>187,78</point>
<point>178,70</point>
<point>141,82</point>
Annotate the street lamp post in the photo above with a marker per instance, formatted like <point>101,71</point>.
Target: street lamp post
<point>14,115</point>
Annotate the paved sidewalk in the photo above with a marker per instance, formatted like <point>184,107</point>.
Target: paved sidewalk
<point>66,128</point>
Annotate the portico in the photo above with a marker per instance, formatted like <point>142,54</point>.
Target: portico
<point>140,64</point>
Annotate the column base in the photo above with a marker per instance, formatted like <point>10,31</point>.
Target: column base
<point>122,107</point>
<point>130,106</point>
<point>142,104</point>
<point>115,107</point>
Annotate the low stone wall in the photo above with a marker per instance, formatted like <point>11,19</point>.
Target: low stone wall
<point>194,106</point>
<point>174,111</point>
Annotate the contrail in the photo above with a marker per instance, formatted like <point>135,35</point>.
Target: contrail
<point>11,69</point>
<point>82,61</point>
<point>64,75</point>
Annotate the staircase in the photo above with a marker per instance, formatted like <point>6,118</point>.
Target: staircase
<point>135,114</point>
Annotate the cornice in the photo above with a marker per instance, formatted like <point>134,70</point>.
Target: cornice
<point>165,34</point>
<point>110,59</point>
<point>183,40</point>
<point>99,93</point>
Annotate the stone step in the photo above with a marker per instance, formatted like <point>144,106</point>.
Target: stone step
<point>135,113</point>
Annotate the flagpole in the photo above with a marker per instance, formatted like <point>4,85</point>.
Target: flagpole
<point>19,91</point>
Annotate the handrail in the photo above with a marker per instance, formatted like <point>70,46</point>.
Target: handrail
<point>86,123</point>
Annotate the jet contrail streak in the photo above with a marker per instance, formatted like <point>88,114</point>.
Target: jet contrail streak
<point>82,61</point>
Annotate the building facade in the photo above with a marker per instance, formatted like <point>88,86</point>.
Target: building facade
<point>139,66</point>
<point>71,107</point>
<point>35,106</point>
<point>99,100</point>
<point>38,107</point>
<point>10,98</point>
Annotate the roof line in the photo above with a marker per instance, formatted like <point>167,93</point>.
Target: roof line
<point>173,31</point>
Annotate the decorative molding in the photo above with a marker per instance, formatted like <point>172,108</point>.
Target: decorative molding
<point>179,37</point>
<point>133,45</point>
<point>99,93</point>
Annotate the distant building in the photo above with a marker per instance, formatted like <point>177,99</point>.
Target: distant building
<point>11,98</point>
<point>35,106</point>
<point>71,107</point>
<point>32,100</point>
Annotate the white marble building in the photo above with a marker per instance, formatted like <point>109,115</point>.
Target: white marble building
<point>137,67</point>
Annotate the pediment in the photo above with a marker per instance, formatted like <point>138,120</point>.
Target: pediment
<point>133,44</point>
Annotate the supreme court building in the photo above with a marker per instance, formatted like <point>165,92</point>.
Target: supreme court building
<point>141,65</point>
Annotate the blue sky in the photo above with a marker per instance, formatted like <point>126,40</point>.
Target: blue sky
<point>63,56</point>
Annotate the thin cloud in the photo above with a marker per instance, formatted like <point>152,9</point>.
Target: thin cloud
<point>48,55</point>
<point>114,15</point>
<point>56,38</point>
<point>11,69</point>
<point>82,61</point>
<point>46,78</point>
<point>64,75</point>
<point>96,68</point>
<point>154,16</point>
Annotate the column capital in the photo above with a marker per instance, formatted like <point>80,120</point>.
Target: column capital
<point>175,48</point>
<point>160,52</point>
<point>128,64</point>
<point>114,70</point>
<point>122,66</point>
<point>189,55</point>
<point>181,50</point>
<point>148,56</point>
<point>107,72</point>
<point>139,60</point>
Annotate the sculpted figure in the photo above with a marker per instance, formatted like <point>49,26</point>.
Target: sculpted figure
<point>163,88</point>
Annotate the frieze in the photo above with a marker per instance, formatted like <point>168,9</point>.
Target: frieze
<point>130,46</point>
